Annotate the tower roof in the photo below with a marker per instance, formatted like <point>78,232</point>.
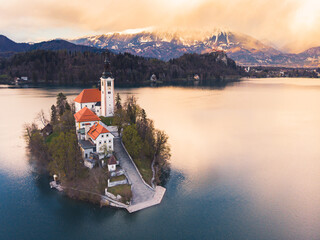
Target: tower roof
<point>96,130</point>
<point>89,95</point>
<point>107,68</point>
<point>86,115</point>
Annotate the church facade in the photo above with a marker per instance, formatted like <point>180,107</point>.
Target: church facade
<point>95,140</point>
<point>101,102</point>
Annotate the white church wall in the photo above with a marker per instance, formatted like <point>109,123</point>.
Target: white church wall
<point>80,125</point>
<point>107,97</point>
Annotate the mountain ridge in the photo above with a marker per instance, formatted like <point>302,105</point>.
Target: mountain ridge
<point>8,47</point>
<point>244,49</point>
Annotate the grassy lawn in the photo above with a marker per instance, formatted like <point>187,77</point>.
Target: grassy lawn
<point>107,120</point>
<point>123,190</point>
<point>144,167</point>
<point>118,178</point>
<point>52,136</point>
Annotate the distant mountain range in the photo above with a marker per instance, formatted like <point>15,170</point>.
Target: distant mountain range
<point>9,47</point>
<point>165,45</point>
<point>245,50</point>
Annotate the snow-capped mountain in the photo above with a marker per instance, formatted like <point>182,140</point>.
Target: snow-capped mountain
<point>165,45</point>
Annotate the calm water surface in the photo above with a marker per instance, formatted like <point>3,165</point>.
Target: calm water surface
<point>245,161</point>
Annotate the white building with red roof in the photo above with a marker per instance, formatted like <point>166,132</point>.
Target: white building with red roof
<point>100,102</point>
<point>84,119</point>
<point>101,137</point>
<point>112,164</point>
<point>90,98</point>
<point>98,140</point>
<point>95,139</point>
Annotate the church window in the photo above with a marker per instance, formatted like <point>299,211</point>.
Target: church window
<point>109,92</point>
<point>109,83</point>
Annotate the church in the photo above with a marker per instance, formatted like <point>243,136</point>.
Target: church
<point>95,140</point>
<point>101,102</point>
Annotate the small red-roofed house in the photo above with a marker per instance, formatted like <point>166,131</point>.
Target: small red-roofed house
<point>112,163</point>
<point>90,98</point>
<point>101,137</point>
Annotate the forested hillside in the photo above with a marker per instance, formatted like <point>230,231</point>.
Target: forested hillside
<point>70,68</point>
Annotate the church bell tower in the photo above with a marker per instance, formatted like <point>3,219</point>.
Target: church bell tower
<point>107,90</point>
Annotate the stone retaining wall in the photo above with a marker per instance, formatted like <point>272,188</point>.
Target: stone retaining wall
<point>116,183</point>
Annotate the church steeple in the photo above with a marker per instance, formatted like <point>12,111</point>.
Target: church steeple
<point>107,68</point>
<point>107,90</point>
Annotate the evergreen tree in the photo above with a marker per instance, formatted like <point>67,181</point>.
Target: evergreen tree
<point>67,106</point>
<point>53,118</point>
<point>61,103</point>
<point>132,109</point>
<point>118,101</point>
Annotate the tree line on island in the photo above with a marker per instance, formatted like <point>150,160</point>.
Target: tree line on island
<point>147,145</point>
<point>82,68</point>
<point>55,149</point>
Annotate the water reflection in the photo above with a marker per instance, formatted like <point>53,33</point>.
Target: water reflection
<point>247,155</point>
<point>260,142</point>
<point>20,106</point>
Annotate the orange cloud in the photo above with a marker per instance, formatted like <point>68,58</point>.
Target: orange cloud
<point>290,24</point>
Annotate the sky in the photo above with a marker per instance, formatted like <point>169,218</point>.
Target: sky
<point>291,25</point>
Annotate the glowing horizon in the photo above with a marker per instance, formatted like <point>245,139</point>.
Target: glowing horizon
<point>290,25</point>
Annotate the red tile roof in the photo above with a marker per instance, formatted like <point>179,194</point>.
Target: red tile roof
<point>96,130</point>
<point>89,95</point>
<point>86,115</point>
<point>112,160</point>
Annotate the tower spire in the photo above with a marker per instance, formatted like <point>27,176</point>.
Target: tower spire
<point>107,68</point>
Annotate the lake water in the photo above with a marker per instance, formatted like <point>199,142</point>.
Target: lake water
<point>245,165</point>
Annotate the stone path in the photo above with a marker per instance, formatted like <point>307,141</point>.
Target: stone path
<point>140,192</point>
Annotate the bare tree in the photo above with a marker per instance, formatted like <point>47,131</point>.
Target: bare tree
<point>42,118</point>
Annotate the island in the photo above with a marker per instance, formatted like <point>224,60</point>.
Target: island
<point>100,149</point>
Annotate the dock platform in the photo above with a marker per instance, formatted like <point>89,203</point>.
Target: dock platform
<point>157,197</point>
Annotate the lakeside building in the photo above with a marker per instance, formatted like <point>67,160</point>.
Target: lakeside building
<point>95,140</point>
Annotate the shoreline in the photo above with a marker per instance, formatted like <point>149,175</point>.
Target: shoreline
<point>157,196</point>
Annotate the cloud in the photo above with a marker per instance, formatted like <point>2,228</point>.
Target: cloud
<point>292,24</point>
